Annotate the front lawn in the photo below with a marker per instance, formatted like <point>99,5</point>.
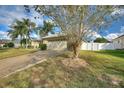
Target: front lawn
<point>104,69</point>
<point>11,52</point>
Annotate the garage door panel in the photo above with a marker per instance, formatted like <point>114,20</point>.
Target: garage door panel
<point>57,45</point>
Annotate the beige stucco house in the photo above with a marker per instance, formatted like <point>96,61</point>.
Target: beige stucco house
<point>35,43</point>
<point>118,42</point>
<point>55,42</point>
<point>3,41</point>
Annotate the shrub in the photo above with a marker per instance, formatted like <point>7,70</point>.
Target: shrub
<point>11,44</point>
<point>101,40</point>
<point>5,45</point>
<point>42,46</point>
<point>0,47</point>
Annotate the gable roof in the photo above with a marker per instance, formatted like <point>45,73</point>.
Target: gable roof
<point>3,41</point>
<point>54,37</point>
<point>119,37</point>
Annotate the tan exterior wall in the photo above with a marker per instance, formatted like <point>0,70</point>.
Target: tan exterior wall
<point>35,44</point>
<point>1,45</point>
<point>119,43</point>
<point>57,45</point>
<point>45,41</point>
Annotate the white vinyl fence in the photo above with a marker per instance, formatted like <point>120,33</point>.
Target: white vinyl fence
<point>57,45</point>
<point>97,46</point>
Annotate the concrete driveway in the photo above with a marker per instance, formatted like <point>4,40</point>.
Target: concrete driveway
<point>10,65</point>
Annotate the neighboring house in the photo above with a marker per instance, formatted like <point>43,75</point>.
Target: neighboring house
<point>3,41</point>
<point>118,42</point>
<point>58,42</point>
<point>16,43</point>
<point>35,43</point>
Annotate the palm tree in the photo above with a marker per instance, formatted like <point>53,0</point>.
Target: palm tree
<point>29,26</point>
<point>21,28</point>
<point>47,28</point>
<point>16,30</point>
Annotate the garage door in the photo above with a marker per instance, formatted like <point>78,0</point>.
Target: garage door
<point>57,45</point>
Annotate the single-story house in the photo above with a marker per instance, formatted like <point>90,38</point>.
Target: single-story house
<point>1,43</point>
<point>55,42</point>
<point>59,42</point>
<point>35,43</point>
<point>118,42</point>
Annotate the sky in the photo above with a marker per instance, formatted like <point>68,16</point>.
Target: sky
<point>8,14</point>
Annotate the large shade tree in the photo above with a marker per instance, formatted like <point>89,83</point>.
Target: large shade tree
<point>76,22</point>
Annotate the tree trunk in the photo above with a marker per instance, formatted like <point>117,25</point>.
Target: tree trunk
<point>26,42</point>
<point>76,49</point>
<point>21,41</point>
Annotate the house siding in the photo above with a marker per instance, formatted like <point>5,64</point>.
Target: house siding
<point>119,43</point>
<point>35,44</point>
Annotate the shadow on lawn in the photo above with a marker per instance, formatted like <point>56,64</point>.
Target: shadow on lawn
<point>116,53</point>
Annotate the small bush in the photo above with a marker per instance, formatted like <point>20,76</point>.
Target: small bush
<point>43,46</point>
<point>0,47</point>
<point>101,40</point>
<point>5,45</point>
<point>10,44</point>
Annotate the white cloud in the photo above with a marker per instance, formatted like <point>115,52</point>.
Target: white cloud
<point>4,35</point>
<point>112,36</point>
<point>115,35</point>
<point>122,29</point>
<point>118,12</point>
<point>8,16</point>
<point>34,35</point>
<point>93,35</point>
<point>17,12</point>
<point>96,35</point>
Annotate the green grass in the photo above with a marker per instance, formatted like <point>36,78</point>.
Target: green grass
<point>11,52</point>
<point>105,69</point>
